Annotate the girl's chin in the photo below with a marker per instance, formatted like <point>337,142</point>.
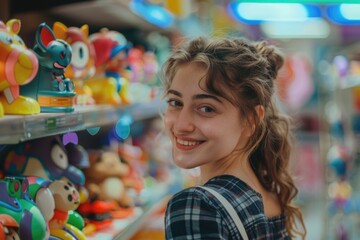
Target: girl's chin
<point>184,165</point>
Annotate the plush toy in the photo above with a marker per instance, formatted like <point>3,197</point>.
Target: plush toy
<point>56,200</point>
<point>108,196</point>
<point>66,199</point>
<point>103,176</point>
<point>8,228</point>
<point>47,158</point>
<point>82,65</point>
<point>53,91</point>
<point>110,59</point>
<point>18,66</point>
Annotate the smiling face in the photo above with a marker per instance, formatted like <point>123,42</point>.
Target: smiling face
<point>204,128</point>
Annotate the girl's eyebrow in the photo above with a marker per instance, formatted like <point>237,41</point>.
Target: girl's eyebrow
<point>197,96</point>
<point>207,96</point>
<point>171,91</point>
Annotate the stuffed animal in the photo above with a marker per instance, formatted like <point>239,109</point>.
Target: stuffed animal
<point>18,66</point>
<point>47,158</point>
<point>103,177</point>
<point>66,199</point>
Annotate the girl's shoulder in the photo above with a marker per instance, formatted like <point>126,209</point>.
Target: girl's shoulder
<point>237,192</point>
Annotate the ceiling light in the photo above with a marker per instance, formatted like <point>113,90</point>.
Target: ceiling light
<point>256,13</point>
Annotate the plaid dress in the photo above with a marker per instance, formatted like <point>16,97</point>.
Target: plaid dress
<point>194,213</point>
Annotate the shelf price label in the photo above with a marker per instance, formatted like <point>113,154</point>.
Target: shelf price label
<point>51,123</point>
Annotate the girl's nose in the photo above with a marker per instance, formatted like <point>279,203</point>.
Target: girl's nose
<point>184,121</point>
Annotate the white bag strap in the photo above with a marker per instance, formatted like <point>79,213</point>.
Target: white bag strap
<point>230,209</point>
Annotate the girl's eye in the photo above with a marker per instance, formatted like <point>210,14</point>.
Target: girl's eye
<point>207,109</point>
<point>173,103</point>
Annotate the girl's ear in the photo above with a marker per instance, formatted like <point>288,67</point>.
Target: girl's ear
<point>260,111</point>
<point>260,114</point>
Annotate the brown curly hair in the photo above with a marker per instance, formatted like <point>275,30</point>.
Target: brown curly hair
<point>244,73</point>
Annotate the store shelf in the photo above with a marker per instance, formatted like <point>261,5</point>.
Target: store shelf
<point>18,128</point>
<point>351,81</point>
<point>155,198</point>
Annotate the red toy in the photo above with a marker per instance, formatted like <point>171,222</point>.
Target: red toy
<point>8,228</point>
<point>111,55</point>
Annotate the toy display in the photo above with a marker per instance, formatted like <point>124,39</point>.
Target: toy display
<point>56,200</point>
<point>8,228</point>
<point>108,198</point>
<point>53,189</point>
<point>98,215</point>
<point>16,202</point>
<point>142,78</point>
<point>47,158</point>
<point>82,65</point>
<point>66,199</point>
<point>103,177</point>
<point>18,66</point>
<point>53,91</point>
<point>110,59</point>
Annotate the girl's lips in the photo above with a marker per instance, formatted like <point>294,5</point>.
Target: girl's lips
<point>187,144</point>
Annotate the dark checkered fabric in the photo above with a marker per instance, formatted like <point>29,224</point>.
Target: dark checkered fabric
<point>194,213</point>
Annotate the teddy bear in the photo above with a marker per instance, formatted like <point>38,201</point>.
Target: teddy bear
<point>104,177</point>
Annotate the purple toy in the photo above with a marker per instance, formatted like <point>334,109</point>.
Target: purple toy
<point>47,158</point>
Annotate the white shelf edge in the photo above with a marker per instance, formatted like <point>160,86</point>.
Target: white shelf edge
<point>19,128</point>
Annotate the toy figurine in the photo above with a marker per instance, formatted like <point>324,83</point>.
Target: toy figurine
<point>47,158</point>
<point>8,228</point>
<point>55,199</point>
<point>53,91</point>
<point>110,58</point>
<point>66,199</point>
<point>82,65</point>
<point>40,193</point>
<point>108,196</point>
<point>18,66</point>
<point>103,176</point>
<point>16,202</point>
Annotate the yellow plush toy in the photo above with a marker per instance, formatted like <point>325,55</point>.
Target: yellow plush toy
<point>18,66</point>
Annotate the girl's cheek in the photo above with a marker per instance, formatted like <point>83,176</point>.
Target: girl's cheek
<point>168,120</point>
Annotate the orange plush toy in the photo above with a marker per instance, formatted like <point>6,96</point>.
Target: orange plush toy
<point>18,66</point>
<point>82,65</point>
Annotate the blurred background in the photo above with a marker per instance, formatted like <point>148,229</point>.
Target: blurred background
<point>318,85</point>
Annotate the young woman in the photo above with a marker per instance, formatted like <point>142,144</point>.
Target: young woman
<point>221,117</point>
